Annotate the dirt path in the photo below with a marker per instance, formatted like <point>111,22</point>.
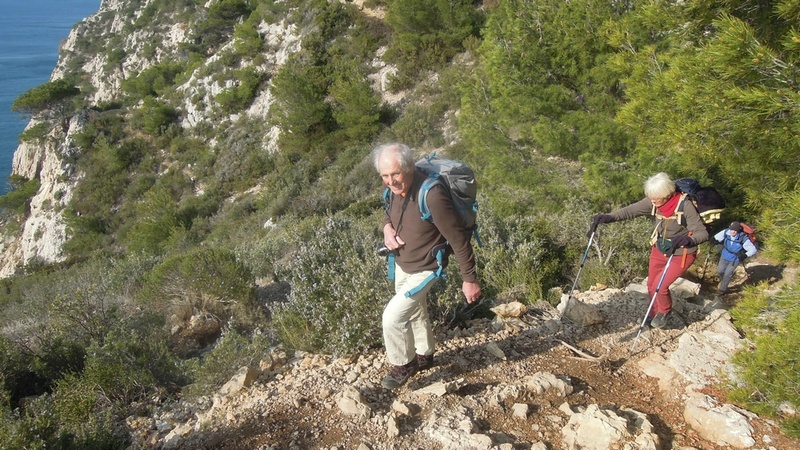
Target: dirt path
<point>297,409</point>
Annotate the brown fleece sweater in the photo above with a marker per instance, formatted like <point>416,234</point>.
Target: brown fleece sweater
<point>421,236</point>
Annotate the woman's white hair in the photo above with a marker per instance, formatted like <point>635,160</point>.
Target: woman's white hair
<point>659,185</point>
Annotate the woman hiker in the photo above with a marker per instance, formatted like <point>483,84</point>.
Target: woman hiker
<point>679,230</point>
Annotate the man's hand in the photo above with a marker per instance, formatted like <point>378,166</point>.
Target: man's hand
<point>390,238</point>
<point>471,290</point>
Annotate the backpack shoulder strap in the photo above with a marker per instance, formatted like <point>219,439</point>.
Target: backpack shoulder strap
<point>661,219</point>
<point>432,180</point>
<point>679,210</point>
<point>387,197</point>
<point>741,237</point>
<point>678,214</point>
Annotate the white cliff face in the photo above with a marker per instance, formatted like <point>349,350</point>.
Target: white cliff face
<point>28,157</point>
<point>44,232</point>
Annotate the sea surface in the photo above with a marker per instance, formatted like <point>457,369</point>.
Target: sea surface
<point>30,34</point>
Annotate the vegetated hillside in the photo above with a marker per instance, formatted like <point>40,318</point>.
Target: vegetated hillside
<point>194,182</point>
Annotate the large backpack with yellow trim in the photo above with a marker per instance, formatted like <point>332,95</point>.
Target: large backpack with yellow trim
<point>707,200</point>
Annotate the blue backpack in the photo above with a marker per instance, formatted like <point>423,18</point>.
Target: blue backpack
<point>459,180</point>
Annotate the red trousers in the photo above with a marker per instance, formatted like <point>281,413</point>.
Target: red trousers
<point>677,267</point>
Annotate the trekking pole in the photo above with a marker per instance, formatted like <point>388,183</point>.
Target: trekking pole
<point>652,302</point>
<point>583,261</point>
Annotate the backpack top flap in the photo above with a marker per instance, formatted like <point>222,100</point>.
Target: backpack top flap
<point>688,186</point>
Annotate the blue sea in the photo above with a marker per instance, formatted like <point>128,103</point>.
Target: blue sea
<point>30,34</point>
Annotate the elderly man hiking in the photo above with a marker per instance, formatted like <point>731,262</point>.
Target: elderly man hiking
<point>407,331</point>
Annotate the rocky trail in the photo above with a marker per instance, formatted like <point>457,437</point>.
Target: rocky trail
<point>529,379</point>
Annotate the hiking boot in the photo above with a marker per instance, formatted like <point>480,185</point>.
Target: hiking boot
<point>424,362</point>
<point>648,322</point>
<point>399,375</point>
<point>660,320</point>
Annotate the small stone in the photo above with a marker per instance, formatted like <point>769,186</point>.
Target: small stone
<point>401,408</point>
<point>392,429</point>
<point>520,410</point>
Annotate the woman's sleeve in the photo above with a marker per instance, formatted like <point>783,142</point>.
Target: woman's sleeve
<point>641,208</point>
<point>694,223</point>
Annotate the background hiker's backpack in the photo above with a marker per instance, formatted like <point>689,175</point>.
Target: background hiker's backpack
<point>707,200</point>
<point>459,180</point>
<point>749,231</point>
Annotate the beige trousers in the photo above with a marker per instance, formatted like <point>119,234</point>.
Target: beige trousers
<point>407,329</point>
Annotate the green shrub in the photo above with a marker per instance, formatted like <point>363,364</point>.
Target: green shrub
<point>240,158</point>
<point>348,181</point>
<point>232,351</point>
<point>218,25</point>
<point>35,133</point>
<point>299,108</point>
<point>85,305</point>
<point>91,387</point>
<point>519,260</point>
<point>18,373</point>
<point>154,117</point>
<point>204,279</point>
<point>106,128</point>
<point>247,40</point>
<point>156,218</point>
<point>132,362</point>
<point>268,252</point>
<point>619,255</point>
<point>419,125</point>
<point>781,226</point>
<point>35,428</point>
<point>18,200</point>
<point>426,33</point>
<point>339,287</point>
<point>356,107</point>
<point>235,99</point>
<point>153,81</point>
<point>769,369</point>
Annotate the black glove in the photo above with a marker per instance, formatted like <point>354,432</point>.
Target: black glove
<point>680,241</point>
<point>741,254</point>
<point>718,242</point>
<point>597,220</point>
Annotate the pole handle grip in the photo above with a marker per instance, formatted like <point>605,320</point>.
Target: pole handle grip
<point>683,259</point>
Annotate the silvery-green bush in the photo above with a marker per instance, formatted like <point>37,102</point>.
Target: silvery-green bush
<point>338,288</point>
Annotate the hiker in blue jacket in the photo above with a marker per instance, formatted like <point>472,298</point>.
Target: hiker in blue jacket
<point>736,246</point>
